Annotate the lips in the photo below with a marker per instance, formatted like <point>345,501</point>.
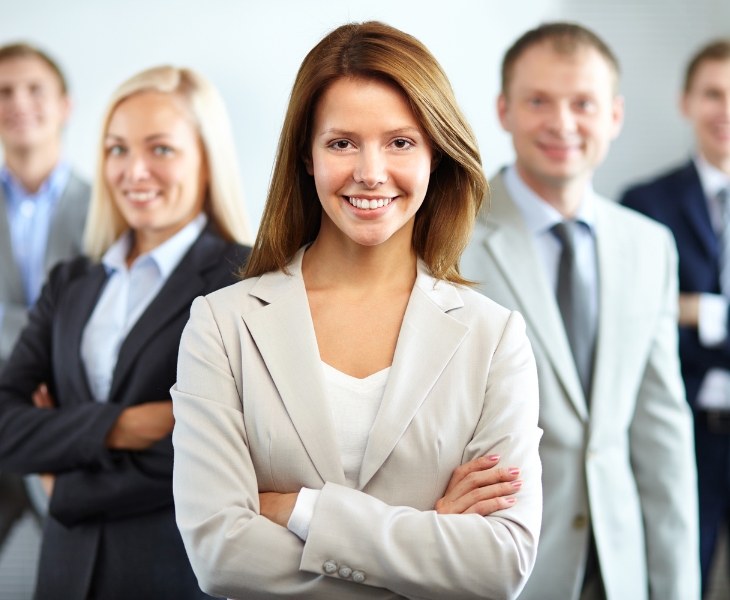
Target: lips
<point>140,197</point>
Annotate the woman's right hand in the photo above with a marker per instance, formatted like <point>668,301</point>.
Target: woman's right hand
<point>478,487</point>
<point>139,427</point>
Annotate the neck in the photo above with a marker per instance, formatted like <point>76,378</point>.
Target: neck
<point>335,260</point>
<point>719,161</point>
<point>32,166</point>
<point>564,195</point>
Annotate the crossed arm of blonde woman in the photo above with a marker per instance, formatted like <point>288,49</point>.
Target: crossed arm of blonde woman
<point>400,551</point>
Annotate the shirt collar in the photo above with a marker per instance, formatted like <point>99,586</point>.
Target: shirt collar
<point>166,256</point>
<point>712,179</point>
<point>540,216</point>
<point>54,184</point>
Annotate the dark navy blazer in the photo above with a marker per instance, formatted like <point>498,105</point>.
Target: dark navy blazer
<point>678,201</point>
<point>111,531</point>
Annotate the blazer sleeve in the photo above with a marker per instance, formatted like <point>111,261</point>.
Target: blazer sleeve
<point>236,552</point>
<point>42,440</point>
<point>134,483</point>
<point>662,457</point>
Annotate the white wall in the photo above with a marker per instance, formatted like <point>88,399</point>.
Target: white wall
<point>251,51</point>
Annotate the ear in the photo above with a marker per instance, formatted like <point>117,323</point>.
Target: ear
<point>617,113</point>
<point>684,104</point>
<point>307,160</point>
<point>502,110</point>
<point>66,107</point>
<point>435,159</point>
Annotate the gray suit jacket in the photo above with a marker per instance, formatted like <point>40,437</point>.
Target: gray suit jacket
<point>252,415</point>
<point>627,466</point>
<point>64,242</point>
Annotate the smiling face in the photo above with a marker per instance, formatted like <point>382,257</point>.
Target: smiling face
<point>370,159</point>
<point>33,107</point>
<point>154,165</point>
<point>707,106</point>
<point>562,113</point>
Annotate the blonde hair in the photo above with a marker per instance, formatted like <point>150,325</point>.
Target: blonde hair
<point>457,187</point>
<point>224,202</point>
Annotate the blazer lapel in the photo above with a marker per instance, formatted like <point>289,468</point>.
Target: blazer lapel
<point>511,245</point>
<point>8,269</point>
<point>428,339</point>
<point>83,294</point>
<point>694,207</point>
<point>284,335</point>
<point>614,259</point>
<point>184,284</point>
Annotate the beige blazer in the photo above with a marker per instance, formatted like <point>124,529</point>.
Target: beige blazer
<point>252,416</point>
<point>626,465</point>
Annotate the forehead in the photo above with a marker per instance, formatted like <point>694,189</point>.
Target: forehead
<point>714,72</point>
<point>542,68</point>
<point>351,103</point>
<point>25,69</point>
<point>151,113</point>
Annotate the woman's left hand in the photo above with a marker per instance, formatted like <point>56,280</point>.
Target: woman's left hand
<point>277,507</point>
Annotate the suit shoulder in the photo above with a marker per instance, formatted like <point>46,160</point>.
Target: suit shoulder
<point>647,191</point>
<point>634,222</point>
<point>478,306</point>
<point>234,297</point>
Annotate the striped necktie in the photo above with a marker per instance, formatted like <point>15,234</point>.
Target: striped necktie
<point>724,202</point>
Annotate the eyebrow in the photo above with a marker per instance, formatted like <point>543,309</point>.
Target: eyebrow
<point>149,138</point>
<point>345,133</point>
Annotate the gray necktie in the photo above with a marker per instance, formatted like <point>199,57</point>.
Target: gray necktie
<point>724,202</point>
<point>573,300</point>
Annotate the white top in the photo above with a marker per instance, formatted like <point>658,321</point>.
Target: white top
<point>714,393</point>
<point>354,404</point>
<point>127,294</point>
<point>540,217</point>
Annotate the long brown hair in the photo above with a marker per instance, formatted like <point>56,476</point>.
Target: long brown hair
<point>457,187</point>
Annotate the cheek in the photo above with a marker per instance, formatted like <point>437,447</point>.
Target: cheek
<point>113,171</point>
<point>330,175</point>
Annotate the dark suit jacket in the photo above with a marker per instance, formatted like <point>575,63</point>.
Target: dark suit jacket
<point>111,532</point>
<point>677,200</point>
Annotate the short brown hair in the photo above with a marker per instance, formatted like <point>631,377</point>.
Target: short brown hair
<point>25,50</point>
<point>566,38</point>
<point>457,187</point>
<point>717,50</point>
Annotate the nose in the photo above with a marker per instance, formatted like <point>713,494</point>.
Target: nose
<point>563,119</point>
<point>371,168</point>
<point>137,169</point>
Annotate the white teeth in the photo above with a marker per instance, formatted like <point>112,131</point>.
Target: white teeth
<point>364,203</point>
<point>141,196</point>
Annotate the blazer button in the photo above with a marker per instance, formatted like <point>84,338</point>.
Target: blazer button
<point>580,522</point>
<point>344,571</point>
<point>330,567</point>
<point>358,576</point>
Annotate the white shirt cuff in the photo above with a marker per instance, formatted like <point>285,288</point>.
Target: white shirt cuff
<point>712,326</point>
<point>303,512</point>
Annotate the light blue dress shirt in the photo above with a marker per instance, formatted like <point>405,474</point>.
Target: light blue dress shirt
<point>29,219</point>
<point>127,294</point>
<point>540,217</point>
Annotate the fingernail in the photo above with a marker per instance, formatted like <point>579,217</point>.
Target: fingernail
<point>516,484</point>
<point>510,500</point>
<point>514,471</point>
<point>493,457</point>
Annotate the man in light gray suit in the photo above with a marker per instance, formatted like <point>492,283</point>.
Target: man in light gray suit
<point>597,285</point>
<point>43,208</point>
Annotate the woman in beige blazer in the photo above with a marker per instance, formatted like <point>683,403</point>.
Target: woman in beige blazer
<point>341,411</point>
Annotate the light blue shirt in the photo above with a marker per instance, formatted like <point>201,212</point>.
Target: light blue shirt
<point>29,219</point>
<point>540,217</point>
<point>127,294</point>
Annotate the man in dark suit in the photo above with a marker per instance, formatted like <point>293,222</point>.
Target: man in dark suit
<point>43,208</point>
<point>694,202</point>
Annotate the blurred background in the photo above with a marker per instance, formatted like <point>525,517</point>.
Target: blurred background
<point>251,50</point>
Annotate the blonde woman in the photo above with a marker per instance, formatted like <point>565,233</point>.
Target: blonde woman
<point>84,398</point>
<point>340,413</point>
